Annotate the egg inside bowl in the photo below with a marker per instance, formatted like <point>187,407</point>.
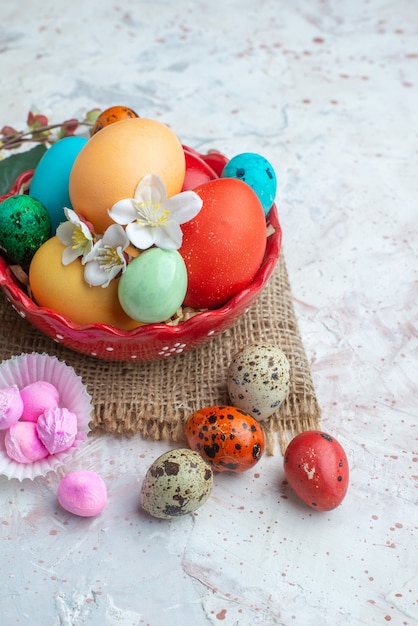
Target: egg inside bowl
<point>147,342</point>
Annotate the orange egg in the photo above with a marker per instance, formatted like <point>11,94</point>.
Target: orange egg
<point>115,160</point>
<point>63,289</point>
<point>112,115</point>
<point>229,439</point>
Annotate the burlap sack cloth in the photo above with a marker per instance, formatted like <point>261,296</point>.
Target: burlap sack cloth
<point>155,398</point>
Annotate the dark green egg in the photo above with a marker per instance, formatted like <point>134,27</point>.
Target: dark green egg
<point>24,226</point>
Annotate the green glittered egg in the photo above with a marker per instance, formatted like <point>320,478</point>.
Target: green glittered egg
<point>24,226</point>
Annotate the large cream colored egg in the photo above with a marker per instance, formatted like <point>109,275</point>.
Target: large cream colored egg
<point>258,379</point>
<point>115,160</point>
<point>63,289</point>
<point>178,482</point>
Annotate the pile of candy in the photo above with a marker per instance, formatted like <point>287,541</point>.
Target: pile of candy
<point>35,425</point>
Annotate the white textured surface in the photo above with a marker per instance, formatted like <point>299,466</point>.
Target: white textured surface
<point>327,91</point>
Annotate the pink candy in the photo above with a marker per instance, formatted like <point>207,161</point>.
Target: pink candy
<point>82,493</point>
<point>34,423</point>
<point>11,406</point>
<point>23,444</point>
<point>36,398</point>
<point>57,429</point>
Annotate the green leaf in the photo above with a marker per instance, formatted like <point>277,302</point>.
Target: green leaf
<point>14,165</point>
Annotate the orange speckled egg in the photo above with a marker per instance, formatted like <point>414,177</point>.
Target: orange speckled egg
<point>63,289</point>
<point>113,162</point>
<point>229,439</point>
<point>112,115</point>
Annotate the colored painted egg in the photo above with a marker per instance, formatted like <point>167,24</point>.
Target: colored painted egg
<point>258,379</point>
<point>112,115</point>
<point>257,172</point>
<point>115,160</point>
<point>229,439</point>
<point>316,468</point>
<point>177,483</point>
<point>24,226</point>
<point>223,246</point>
<point>63,289</point>
<point>50,180</point>
<point>153,285</point>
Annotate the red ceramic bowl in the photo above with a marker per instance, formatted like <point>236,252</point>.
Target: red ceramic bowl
<point>152,341</point>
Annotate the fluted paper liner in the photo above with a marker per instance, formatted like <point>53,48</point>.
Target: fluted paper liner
<point>28,368</point>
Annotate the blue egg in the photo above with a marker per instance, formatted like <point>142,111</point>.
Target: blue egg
<point>50,180</point>
<point>257,172</point>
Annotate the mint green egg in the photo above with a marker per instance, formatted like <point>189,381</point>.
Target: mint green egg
<point>153,285</point>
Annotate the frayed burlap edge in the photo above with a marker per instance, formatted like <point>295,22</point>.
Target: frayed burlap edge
<point>156,398</point>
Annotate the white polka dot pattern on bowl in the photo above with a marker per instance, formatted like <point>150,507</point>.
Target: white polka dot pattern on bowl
<point>177,348</point>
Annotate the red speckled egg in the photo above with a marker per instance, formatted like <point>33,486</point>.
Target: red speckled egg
<point>223,246</point>
<point>229,439</point>
<point>316,468</point>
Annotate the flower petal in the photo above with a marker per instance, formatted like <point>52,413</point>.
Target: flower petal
<point>169,237</point>
<point>141,237</point>
<point>77,222</point>
<point>151,190</point>
<point>87,258</point>
<point>64,233</point>
<point>184,206</point>
<point>115,237</point>
<point>95,276</point>
<point>71,215</point>
<point>123,212</point>
<point>69,255</point>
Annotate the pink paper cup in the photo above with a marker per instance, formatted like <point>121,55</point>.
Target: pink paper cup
<point>29,368</point>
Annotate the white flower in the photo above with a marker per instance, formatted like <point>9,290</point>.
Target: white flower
<point>152,218</point>
<point>106,259</point>
<point>76,235</point>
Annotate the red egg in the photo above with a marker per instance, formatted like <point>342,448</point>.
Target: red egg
<point>316,468</point>
<point>229,439</point>
<point>223,246</point>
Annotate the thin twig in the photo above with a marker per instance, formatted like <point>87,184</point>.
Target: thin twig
<point>14,140</point>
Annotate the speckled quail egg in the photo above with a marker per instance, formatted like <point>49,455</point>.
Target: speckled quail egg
<point>178,482</point>
<point>258,379</point>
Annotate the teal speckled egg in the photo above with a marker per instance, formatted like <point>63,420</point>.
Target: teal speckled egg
<point>24,226</point>
<point>153,285</point>
<point>257,172</point>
